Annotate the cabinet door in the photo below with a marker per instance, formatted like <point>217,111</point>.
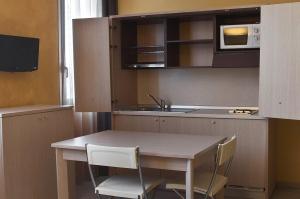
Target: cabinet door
<point>249,167</point>
<point>196,126</point>
<point>279,94</point>
<point>200,126</point>
<point>29,160</point>
<point>136,123</point>
<point>92,65</point>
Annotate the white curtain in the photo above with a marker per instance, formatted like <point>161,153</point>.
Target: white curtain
<point>75,9</point>
<point>85,122</point>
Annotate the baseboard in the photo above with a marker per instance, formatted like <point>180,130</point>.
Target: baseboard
<point>245,194</point>
<point>287,185</point>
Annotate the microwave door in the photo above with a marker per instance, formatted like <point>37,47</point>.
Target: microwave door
<point>235,37</point>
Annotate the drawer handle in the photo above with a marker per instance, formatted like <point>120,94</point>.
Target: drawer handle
<point>213,122</point>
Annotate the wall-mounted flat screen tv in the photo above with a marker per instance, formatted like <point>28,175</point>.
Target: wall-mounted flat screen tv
<point>18,54</point>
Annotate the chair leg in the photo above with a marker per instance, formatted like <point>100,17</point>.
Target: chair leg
<point>98,196</point>
<point>220,195</point>
<point>178,194</point>
<point>153,194</point>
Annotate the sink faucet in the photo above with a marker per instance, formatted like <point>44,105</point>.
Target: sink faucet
<point>161,104</point>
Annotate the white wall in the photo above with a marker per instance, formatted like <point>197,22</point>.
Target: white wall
<point>205,86</point>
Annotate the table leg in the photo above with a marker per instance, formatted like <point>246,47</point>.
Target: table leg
<point>62,175</point>
<point>189,180</point>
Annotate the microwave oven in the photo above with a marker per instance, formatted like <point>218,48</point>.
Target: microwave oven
<point>240,36</point>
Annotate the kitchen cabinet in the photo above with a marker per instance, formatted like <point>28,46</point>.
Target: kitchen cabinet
<point>106,48</point>
<point>279,85</point>
<point>136,123</point>
<point>250,167</point>
<point>27,163</point>
<point>92,65</point>
<point>200,126</point>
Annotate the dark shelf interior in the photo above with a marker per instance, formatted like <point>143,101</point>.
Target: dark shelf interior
<point>146,47</point>
<point>186,40</point>
<point>178,67</point>
<point>193,41</point>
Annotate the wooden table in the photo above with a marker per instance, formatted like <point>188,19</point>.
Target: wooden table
<point>176,152</point>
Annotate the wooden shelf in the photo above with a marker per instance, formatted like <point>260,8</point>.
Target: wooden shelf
<point>151,52</point>
<point>154,62</point>
<point>146,65</point>
<point>196,41</point>
<point>185,40</point>
<point>181,67</point>
<point>146,47</point>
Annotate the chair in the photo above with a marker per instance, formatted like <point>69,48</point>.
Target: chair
<point>135,187</point>
<point>209,184</point>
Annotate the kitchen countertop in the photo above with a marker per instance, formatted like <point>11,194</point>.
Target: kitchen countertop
<point>207,112</point>
<point>22,110</point>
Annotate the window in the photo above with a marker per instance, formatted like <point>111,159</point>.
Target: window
<point>72,9</point>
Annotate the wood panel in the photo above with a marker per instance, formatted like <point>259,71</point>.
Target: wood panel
<point>196,29</point>
<point>150,34</point>
<point>29,161</point>
<point>197,126</point>
<point>92,65</point>
<point>136,123</point>
<point>192,126</point>
<point>249,167</point>
<point>279,94</point>
<point>123,81</point>
<point>196,55</point>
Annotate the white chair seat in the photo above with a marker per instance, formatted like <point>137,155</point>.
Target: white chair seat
<point>201,184</point>
<point>126,186</point>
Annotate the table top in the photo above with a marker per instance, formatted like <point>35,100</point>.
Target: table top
<point>150,144</point>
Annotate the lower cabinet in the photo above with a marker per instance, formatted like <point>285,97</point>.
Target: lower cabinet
<point>136,123</point>
<point>27,164</point>
<point>250,166</point>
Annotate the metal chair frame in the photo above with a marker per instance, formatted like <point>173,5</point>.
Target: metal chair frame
<point>215,172</point>
<point>139,170</point>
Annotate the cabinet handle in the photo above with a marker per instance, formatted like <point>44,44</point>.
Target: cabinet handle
<point>279,102</point>
<point>156,120</point>
<point>163,120</point>
<point>213,122</point>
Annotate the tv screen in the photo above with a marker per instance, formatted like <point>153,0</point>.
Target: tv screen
<point>18,54</point>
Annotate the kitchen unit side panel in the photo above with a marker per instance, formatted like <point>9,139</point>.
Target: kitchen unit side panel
<point>92,65</point>
<point>279,94</point>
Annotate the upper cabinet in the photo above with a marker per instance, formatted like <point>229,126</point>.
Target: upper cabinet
<point>190,39</point>
<point>92,65</point>
<point>279,95</point>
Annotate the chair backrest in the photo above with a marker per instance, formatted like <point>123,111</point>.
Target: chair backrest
<point>121,157</point>
<point>226,151</point>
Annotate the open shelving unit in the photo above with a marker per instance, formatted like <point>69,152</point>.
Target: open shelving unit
<point>184,40</point>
